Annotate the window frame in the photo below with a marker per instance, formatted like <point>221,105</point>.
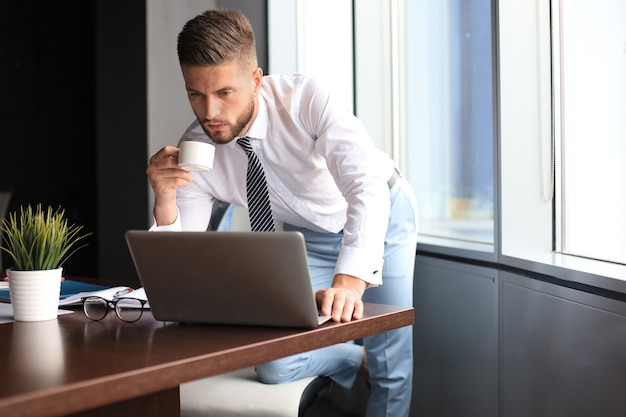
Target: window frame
<point>524,222</point>
<point>486,252</point>
<point>525,244</point>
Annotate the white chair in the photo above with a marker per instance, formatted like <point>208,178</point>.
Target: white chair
<point>5,197</point>
<point>239,393</point>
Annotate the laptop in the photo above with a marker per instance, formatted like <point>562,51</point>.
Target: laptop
<point>241,278</point>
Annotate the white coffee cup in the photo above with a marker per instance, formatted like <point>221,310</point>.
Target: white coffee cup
<point>196,156</point>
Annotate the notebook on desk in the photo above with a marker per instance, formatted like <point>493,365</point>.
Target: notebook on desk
<point>243,278</point>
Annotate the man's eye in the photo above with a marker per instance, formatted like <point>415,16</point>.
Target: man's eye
<point>225,93</point>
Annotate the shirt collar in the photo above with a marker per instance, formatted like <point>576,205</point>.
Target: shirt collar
<point>258,130</point>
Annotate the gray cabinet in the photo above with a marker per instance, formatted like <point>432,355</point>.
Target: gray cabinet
<point>563,351</point>
<point>494,343</point>
<point>455,340</point>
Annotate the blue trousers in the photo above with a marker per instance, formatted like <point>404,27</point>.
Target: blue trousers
<point>390,354</point>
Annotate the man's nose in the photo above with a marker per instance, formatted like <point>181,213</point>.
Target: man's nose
<point>212,108</point>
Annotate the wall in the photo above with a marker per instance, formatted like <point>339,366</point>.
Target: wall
<point>121,131</point>
<point>169,112</point>
<point>47,117</point>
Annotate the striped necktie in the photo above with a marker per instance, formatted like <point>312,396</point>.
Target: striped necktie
<point>261,219</point>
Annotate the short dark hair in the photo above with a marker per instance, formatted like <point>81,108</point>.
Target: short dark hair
<point>217,36</point>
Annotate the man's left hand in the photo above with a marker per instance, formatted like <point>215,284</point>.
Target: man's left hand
<point>343,300</point>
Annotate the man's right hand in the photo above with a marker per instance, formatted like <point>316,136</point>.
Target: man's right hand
<point>165,176</point>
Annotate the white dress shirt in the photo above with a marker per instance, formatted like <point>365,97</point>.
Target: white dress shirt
<point>322,169</point>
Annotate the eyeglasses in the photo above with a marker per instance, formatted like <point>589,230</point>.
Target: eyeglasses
<point>127,309</point>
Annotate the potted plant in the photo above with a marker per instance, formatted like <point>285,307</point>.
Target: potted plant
<point>38,242</point>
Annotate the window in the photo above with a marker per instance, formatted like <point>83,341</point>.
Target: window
<point>300,41</point>
<point>449,119</point>
<point>540,91</point>
<point>517,154</point>
<point>555,202</point>
<point>423,88</point>
<point>590,46</point>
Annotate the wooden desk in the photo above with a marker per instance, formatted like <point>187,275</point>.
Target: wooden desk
<point>75,367</point>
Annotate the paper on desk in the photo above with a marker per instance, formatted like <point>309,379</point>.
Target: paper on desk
<point>6,313</point>
<point>107,294</point>
<point>68,288</point>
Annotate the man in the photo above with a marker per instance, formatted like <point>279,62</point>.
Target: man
<point>325,179</point>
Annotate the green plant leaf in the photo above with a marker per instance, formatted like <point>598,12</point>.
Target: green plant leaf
<point>39,240</point>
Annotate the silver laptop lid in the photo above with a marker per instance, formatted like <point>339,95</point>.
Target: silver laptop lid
<point>246,278</point>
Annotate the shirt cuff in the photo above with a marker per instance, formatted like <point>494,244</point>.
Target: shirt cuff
<point>174,227</point>
<point>360,264</point>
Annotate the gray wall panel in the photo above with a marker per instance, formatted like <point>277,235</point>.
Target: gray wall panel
<point>562,350</point>
<point>455,340</point>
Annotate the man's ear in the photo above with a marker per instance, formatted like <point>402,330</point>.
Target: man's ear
<point>257,77</point>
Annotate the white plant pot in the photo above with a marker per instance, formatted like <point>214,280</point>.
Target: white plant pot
<point>35,294</point>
